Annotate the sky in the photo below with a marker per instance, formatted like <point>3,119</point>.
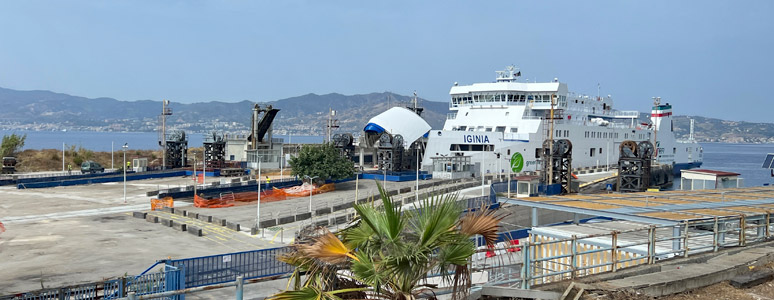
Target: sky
<point>707,58</point>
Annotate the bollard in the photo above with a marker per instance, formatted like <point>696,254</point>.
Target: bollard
<point>282,233</point>
<point>240,281</point>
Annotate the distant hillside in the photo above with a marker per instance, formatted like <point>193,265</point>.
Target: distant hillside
<point>302,115</point>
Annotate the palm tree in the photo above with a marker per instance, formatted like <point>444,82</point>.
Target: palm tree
<point>389,252</point>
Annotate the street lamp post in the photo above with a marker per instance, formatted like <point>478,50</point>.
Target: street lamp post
<point>258,206</point>
<point>125,146</point>
<point>310,190</point>
<point>416,188</point>
<point>194,175</point>
<point>483,154</point>
<point>357,180</point>
<point>509,177</point>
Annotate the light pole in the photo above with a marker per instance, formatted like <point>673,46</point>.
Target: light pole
<point>125,146</point>
<point>310,190</point>
<point>258,206</point>
<point>194,175</point>
<point>357,180</point>
<point>111,156</point>
<point>509,176</point>
<point>416,188</point>
<point>483,152</point>
<point>499,172</point>
<point>204,167</point>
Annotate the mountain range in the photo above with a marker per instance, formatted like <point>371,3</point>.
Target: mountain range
<point>301,115</point>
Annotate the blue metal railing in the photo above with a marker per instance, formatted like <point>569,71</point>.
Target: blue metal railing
<point>215,269</point>
<point>151,283</point>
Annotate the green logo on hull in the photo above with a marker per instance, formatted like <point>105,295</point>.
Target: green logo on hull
<point>517,162</point>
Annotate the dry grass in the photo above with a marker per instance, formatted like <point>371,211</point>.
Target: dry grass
<point>51,159</point>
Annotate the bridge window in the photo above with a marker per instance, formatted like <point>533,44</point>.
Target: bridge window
<point>500,129</point>
<point>514,129</point>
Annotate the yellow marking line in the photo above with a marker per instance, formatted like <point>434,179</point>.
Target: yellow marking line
<point>219,232</point>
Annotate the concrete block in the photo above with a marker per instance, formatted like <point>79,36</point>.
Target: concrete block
<point>340,220</point>
<point>152,218</point>
<point>254,231</point>
<point>405,190</point>
<point>392,192</point>
<point>139,214</point>
<point>170,210</point>
<point>152,193</point>
<point>322,223</point>
<point>193,215</point>
<point>180,212</point>
<point>342,206</point>
<point>285,220</point>
<point>178,226</point>
<point>204,218</point>
<point>232,226</point>
<point>218,221</point>
<point>304,216</point>
<point>194,230</point>
<point>752,279</point>
<point>268,223</point>
<point>166,222</point>
<point>322,211</point>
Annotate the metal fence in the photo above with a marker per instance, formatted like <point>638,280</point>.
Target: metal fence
<point>151,283</point>
<point>501,187</point>
<point>545,258</point>
<point>215,269</point>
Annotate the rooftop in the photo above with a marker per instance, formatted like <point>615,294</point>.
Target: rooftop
<point>663,208</point>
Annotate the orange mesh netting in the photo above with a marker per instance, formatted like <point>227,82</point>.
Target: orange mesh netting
<point>162,203</point>
<point>275,194</point>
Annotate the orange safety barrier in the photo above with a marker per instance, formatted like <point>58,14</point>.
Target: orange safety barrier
<point>272,195</point>
<point>159,204</point>
<point>2,228</point>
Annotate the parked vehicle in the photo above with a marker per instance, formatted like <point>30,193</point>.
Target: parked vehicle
<point>91,167</point>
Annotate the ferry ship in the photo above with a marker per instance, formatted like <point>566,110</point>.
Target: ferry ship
<point>501,124</point>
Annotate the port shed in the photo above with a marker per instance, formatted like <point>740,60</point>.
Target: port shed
<point>702,179</point>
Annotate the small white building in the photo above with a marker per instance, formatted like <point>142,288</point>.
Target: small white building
<point>702,179</point>
<point>236,147</point>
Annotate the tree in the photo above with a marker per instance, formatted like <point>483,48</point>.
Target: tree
<point>322,161</point>
<point>388,252</point>
<point>12,144</point>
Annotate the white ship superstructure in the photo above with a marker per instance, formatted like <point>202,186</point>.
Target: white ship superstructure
<point>502,123</point>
